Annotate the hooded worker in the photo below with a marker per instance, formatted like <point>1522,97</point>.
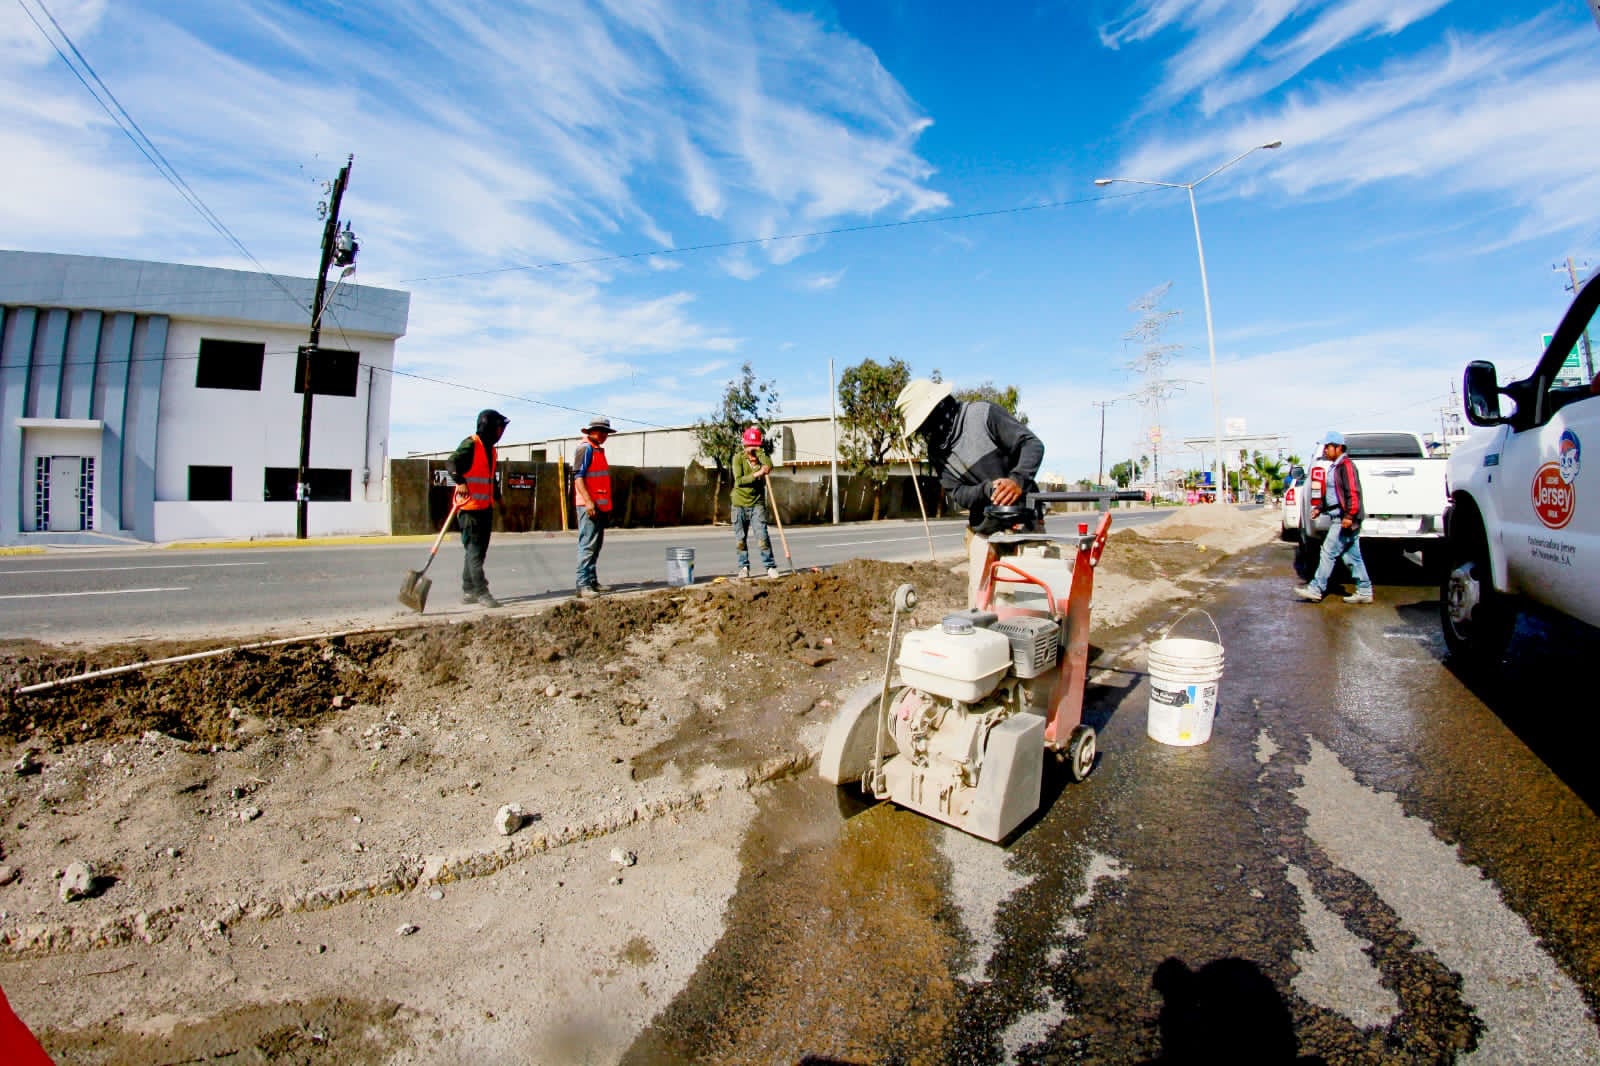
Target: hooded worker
<point>472,467</point>
<point>981,453</point>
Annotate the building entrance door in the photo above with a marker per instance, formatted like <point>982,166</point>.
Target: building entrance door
<point>69,493</point>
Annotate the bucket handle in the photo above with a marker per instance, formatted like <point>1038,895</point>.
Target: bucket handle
<point>1185,615</point>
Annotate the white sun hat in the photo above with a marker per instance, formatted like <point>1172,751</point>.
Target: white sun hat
<point>917,401</point>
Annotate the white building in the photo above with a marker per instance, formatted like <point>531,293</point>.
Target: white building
<point>161,402</point>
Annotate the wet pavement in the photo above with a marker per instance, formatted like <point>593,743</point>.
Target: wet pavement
<point>1377,858</point>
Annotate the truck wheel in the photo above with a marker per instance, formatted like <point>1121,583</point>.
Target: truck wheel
<point>1081,752</point>
<point>1477,621</point>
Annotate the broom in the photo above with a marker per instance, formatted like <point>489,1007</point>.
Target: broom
<point>414,589</point>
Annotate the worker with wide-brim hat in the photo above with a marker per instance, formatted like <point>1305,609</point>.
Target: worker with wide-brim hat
<point>591,498</point>
<point>982,453</point>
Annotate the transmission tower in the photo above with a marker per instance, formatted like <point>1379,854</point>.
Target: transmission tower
<point>1149,363</point>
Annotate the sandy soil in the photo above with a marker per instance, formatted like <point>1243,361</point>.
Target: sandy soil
<point>293,851</point>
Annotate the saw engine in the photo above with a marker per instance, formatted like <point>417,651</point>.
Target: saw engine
<point>967,725</point>
<point>966,710</point>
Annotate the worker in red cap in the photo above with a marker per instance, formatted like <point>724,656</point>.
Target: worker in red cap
<point>751,465</point>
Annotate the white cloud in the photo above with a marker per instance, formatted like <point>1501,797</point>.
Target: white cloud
<point>823,282</point>
<point>483,136</point>
<point>1468,116</point>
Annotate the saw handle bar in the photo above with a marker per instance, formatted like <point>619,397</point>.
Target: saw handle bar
<point>1101,497</point>
<point>1022,578</point>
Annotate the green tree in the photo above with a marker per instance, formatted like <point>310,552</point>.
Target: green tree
<point>745,402</point>
<point>870,421</point>
<point>1123,473</point>
<point>1008,397</point>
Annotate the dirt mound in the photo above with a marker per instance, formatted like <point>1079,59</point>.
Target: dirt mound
<point>1213,526</point>
<point>302,801</point>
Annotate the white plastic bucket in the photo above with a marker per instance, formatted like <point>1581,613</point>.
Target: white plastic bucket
<point>680,566</point>
<point>1184,674</point>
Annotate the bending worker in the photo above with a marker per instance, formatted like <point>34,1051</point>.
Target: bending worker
<point>981,453</point>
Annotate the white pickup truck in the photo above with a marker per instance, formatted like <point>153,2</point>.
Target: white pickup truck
<point>1404,488</point>
<point>1523,528</point>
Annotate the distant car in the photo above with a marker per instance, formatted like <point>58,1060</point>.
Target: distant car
<point>1290,509</point>
<point>1261,498</point>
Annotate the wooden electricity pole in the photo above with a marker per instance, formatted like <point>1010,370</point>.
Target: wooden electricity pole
<point>330,233</point>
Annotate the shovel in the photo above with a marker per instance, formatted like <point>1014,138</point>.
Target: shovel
<point>414,589</point>
<point>772,502</point>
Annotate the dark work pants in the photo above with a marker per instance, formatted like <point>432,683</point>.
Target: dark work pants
<point>475,527</point>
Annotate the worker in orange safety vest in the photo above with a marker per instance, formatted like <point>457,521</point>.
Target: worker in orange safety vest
<point>472,468</point>
<point>591,498</point>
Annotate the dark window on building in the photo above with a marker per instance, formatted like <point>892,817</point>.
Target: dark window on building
<point>211,483</point>
<point>229,365</point>
<point>333,372</point>
<point>326,485</point>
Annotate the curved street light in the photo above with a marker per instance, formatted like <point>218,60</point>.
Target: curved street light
<point>1205,293</point>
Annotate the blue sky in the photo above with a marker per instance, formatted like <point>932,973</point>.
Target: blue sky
<point>1439,157</point>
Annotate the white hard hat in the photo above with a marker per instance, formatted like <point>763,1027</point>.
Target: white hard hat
<point>917,401</point>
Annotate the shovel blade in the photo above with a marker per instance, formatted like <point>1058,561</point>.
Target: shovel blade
<point>414,590</point>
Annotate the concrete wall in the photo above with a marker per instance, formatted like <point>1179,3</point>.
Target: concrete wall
<point>250,431</point>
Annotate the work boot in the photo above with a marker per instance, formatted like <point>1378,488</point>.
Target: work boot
<point>1310,593</point>
<point>744,571</point>
<point>588,592</point>
<point>1359,597</point>
<point>469,597</point>
<point>486,600</point>
<point>772,571</point>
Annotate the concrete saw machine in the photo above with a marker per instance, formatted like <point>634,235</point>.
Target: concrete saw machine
<point>959,727</point>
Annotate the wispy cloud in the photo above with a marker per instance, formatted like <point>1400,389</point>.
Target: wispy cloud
<point>823,282</point>
<point>1241,50</point>
<point>483,136</point>
<point>1470,115</point>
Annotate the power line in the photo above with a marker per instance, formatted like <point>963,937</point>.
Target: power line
<point>129,126</point>
<point>753,241</point>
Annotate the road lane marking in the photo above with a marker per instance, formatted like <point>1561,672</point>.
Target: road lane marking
<point>105,592</point>
<point>881,540</point>
<point>108,569</point>
<point>1530,1009</point>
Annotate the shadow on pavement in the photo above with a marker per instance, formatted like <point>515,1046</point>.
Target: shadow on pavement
<point>1227,1011</point>
<point>1538,691</point>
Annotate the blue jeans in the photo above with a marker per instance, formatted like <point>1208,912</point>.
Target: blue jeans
<point>591,536</point>
<point>748,520</point>
<point>1345,544</point>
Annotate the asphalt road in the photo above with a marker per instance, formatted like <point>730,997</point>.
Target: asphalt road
<point>1375,859</point>
<point>95,594</point>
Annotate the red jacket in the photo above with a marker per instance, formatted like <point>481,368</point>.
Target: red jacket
<point>1343,497</point>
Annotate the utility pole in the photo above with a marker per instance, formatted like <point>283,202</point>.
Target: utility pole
<point>1100,472</point>
<point>833,458</point>
<point>1572,275</point>
<point>330,237</point>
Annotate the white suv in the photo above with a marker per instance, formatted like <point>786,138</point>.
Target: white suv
<point>1290,508</point>
<point>1523,525</point>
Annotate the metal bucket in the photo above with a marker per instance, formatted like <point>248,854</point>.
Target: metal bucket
<point>680,566</point>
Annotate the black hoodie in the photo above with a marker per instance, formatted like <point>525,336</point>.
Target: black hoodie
<point>491,424</point>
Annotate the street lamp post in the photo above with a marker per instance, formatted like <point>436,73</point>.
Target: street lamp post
<point>1205,294</point>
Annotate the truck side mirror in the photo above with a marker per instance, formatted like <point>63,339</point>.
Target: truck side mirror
<point>1480,394</point>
